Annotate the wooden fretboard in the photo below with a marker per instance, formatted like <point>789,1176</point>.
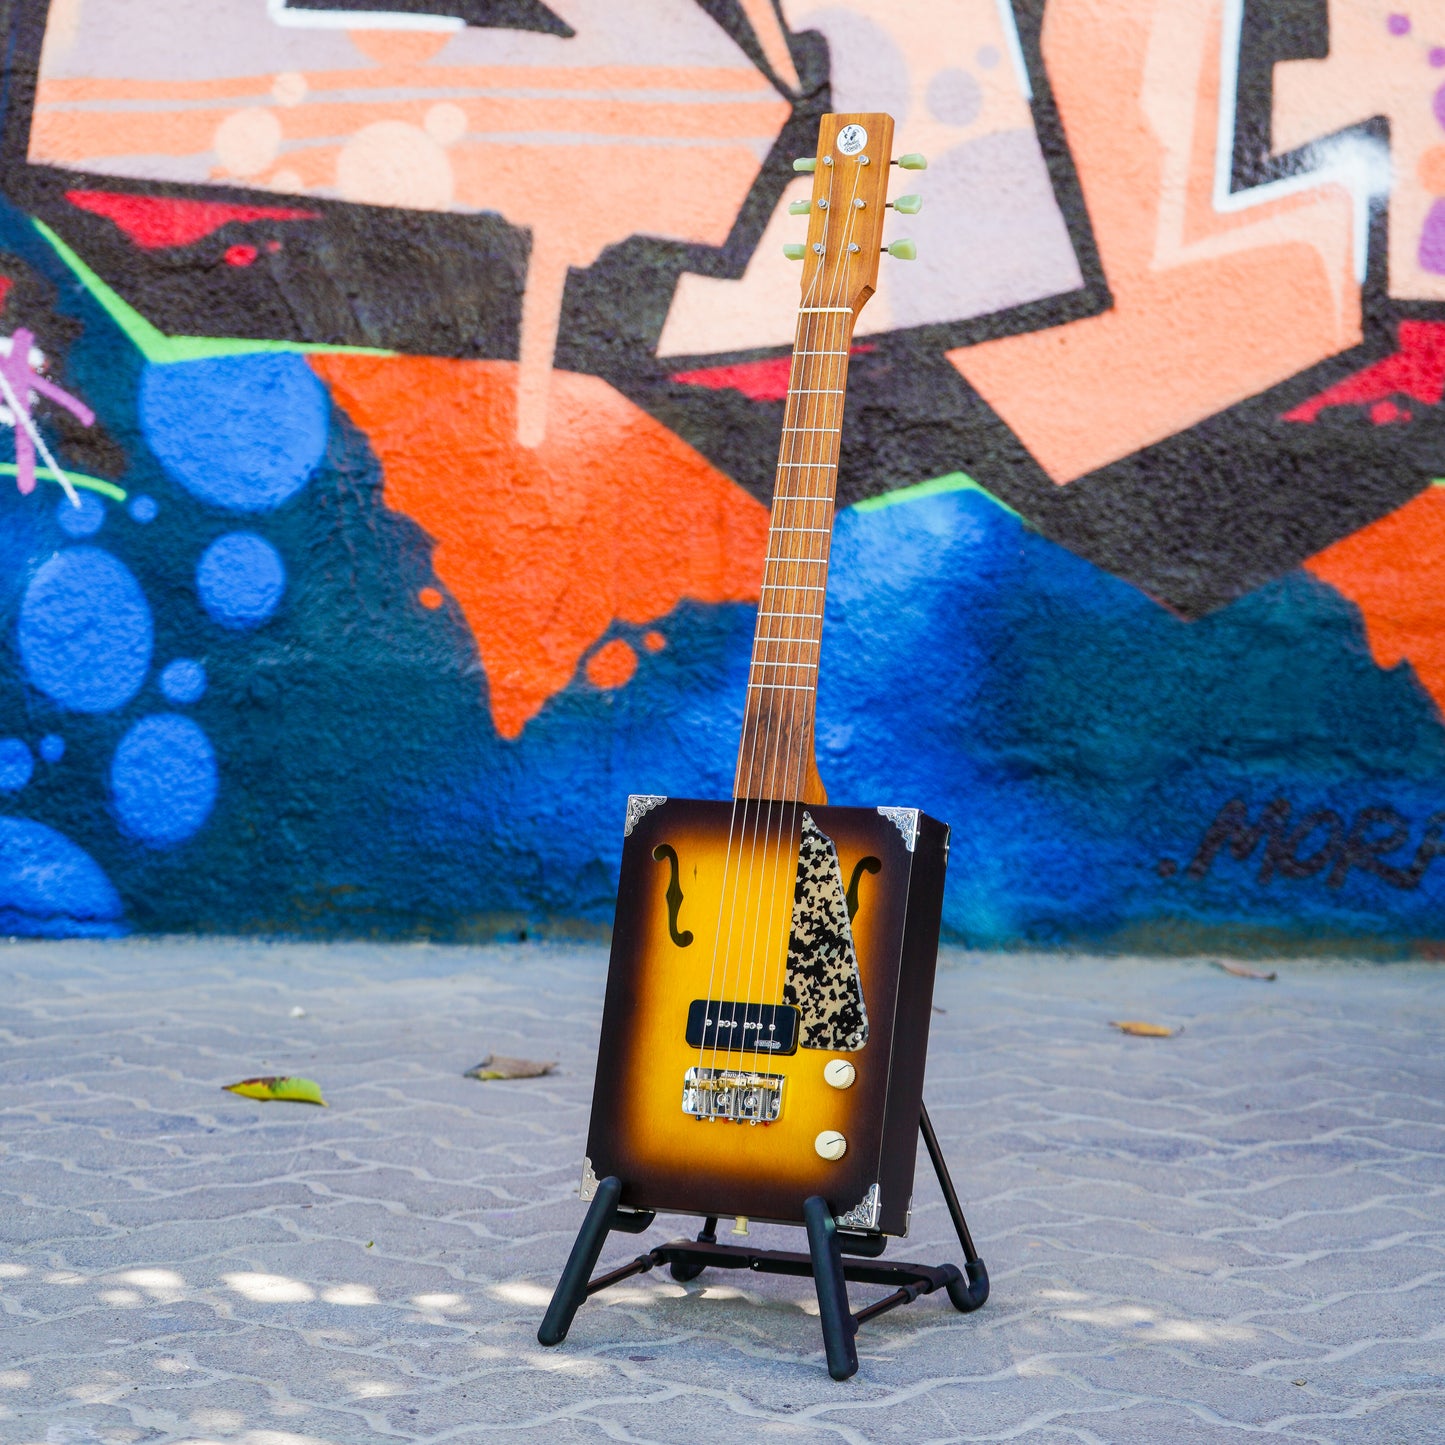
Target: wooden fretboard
<point>776,757</point>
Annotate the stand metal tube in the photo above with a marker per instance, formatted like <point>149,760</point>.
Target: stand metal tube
<point>572,1287</point>
<point>965,1298</point>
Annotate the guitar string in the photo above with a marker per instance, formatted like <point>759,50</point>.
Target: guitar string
<point>740,779</point>
<point>763,783</point>
<point>786,637</point>
<point>815,494</point>
<point>808,415</point>
<point>806,496</point>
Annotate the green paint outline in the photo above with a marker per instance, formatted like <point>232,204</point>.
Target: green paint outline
<point>93,484</point>
<point>158,347</point>
<point>936,487</point>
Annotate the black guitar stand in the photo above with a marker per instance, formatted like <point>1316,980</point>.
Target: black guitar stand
<point>827,1244</point>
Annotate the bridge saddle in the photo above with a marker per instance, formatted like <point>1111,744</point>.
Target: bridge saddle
<point>740,1095</point>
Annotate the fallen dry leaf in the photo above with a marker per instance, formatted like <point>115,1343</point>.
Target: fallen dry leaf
<point>1240,971</point>
<point>288,1087</point>
<point>499,1066</point>
<point>1142,1030</point>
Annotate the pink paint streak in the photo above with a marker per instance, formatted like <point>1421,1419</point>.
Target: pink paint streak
<point>156,222</point>
<point>1416,370</point>
<point>25,384</point>
<point>757,380</point>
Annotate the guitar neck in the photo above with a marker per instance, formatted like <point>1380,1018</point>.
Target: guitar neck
<point>776,758</point>
<point>840,270</point>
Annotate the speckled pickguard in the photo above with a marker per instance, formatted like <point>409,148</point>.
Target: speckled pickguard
<point>822,981</point>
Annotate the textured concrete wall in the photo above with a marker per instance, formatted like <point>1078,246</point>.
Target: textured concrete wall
<point>419,369</point>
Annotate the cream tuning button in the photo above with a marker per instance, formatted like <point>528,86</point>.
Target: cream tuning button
<point>839,1073</point>
<point>830,1144</point>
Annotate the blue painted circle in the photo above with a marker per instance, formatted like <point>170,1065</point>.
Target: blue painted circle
<point>239,432</point>
<point>82,521</point>
<point>52,747</point>
<point>85,631</point>
<point>163,779</point>
<point>184,680</point>
<point>240,579</point>
<point>16,764</point>
<point>143,509</point>
<point>49,888</point>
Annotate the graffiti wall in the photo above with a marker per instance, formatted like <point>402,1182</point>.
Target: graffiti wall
<point>390,394</point>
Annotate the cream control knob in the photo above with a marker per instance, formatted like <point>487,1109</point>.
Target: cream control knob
<point>839,1073</point>
<point>830,1144</point>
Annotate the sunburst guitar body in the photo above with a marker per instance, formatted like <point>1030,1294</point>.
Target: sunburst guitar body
<point>767,1012</point>
<point>746,1068</point>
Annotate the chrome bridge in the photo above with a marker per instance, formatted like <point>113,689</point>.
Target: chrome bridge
<point>742,1095</point>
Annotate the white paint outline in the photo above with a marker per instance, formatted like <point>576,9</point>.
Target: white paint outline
<point>1015,47</point>
<point>360,19</point>
<point>1358,163</point>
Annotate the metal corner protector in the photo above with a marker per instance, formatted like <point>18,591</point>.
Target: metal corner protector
<point>906,821</point>
<point>863,1215</point>
<point>638,805</point>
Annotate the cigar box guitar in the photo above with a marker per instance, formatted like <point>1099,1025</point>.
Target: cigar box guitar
<point>769,993</point>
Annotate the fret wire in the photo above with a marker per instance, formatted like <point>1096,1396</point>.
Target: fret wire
<point>772,651</point>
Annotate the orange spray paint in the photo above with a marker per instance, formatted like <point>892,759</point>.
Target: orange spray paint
<point>613,516</point>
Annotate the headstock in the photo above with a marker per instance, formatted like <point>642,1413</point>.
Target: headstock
<point>845,211</point>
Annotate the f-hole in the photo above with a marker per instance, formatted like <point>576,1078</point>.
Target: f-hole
<point>869,864</point>
<point>674,894</point>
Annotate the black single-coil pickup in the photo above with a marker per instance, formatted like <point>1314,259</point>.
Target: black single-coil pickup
<point>765,1028</point>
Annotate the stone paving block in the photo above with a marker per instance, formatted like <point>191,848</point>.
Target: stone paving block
<point>1176,1229</point>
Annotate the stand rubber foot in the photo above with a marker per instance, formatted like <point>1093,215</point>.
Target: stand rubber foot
<point>834,1315</point>
<point>966,1298</point>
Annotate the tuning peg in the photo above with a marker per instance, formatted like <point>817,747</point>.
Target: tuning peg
<point>806,163</point>
<point>799,208</point>
<point>902,251</point>
<point>911,162</point>
<point>908,205</point>
<point>795,250</point>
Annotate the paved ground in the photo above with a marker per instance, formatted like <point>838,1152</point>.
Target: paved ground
<point>1237,1231</point>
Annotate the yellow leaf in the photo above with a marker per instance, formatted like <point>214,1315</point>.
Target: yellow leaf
<point>1142,1030</point>
<point>279,1086</point>
<point>499,1066</point>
